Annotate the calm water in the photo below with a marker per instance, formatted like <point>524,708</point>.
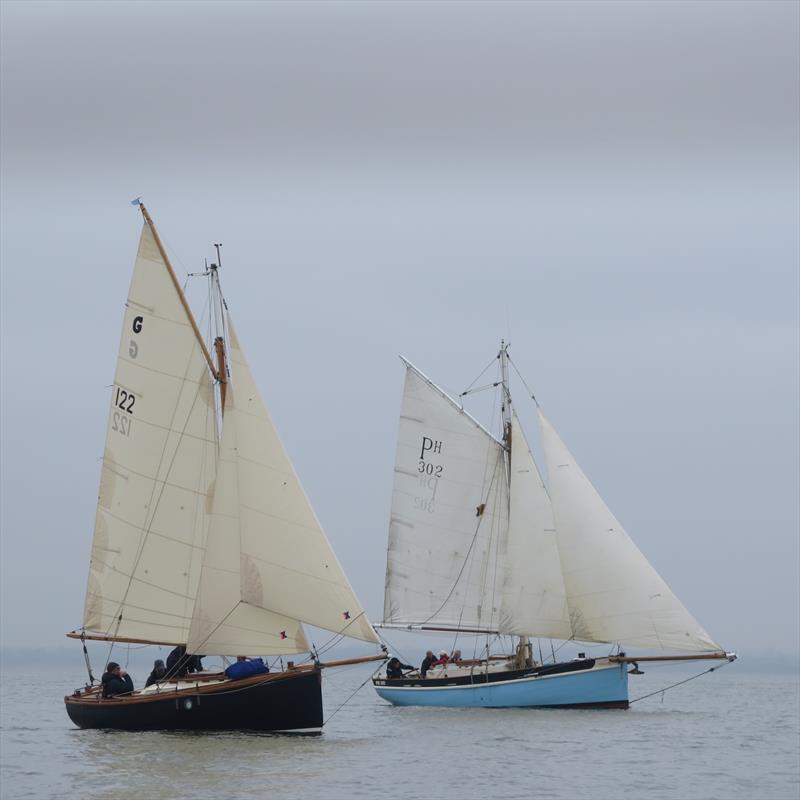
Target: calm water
<point>727,735</point>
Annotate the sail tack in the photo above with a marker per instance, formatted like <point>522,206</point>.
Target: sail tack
<point>614,594</point>
<point>268,564</point>
<point>158,467</point>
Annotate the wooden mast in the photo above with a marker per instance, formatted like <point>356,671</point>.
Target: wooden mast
<point>149,220</point>
<point>222,369</point>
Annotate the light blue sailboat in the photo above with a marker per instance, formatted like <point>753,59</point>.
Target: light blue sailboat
<point>479,545</point>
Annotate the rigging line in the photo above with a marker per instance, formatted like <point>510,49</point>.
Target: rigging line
<point>464,564</point>
<point>147,526</point>
<point>483,388</point>
<point>524,383</point>
<point>680,683</point>
<point>498,520</point>
<point>391,647</point>
<point>336,711</point>
<point>340,634</point>
<point>215,629</point>
<point>483,372</point>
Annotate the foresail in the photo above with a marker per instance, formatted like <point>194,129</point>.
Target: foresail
<point>449,517</point>
<point>267,556</point>
<point>228,614</point>
<point>613,592</point>
<point>534,597</point>
<point>158,467</point>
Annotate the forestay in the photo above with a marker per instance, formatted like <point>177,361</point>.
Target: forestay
<point>268,564</point>
<point>158,467</point>
<point>614,594</point>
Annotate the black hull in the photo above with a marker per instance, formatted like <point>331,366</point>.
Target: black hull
<point>274,702</point>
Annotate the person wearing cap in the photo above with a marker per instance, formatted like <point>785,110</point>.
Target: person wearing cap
<point>115,680</point>
<point>158,674</point>
<point>427,663</point>
<point>394,669</point>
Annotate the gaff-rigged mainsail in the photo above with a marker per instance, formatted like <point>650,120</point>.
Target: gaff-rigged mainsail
<point>158,467</point>
<point>454,560</point>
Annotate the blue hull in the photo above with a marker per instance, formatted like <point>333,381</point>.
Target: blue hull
<point>604,687</point>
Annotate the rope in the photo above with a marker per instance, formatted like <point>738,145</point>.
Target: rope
<point>86,657</point>
<point>519,375</point>
<point>336,711</point>
<point>483,372</point>
<point>679,683</point>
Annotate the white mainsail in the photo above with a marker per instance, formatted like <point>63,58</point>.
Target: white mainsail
<point>158,467</point>
<point>454,560</point>
<point>614,594</point>
<point>449,508</point>
<point>268,564</point>
<point>534,597</point>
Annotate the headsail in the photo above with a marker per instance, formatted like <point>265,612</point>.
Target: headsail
<point>268,564</point>
<point>614,594</point>
<point>534,597</point>
<point>158,467</point>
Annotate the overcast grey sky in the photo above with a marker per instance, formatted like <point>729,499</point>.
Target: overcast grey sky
<point>614,186</point>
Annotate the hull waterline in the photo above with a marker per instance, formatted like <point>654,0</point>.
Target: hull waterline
<point>603,686</point>
<point>274,702</point>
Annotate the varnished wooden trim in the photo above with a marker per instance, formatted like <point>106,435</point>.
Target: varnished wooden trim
<point>184,302</point>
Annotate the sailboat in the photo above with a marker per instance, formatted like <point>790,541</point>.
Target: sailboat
<point>204,536</point>
<point>478,544</point>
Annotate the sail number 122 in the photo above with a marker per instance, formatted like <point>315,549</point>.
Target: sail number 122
<point>121,420</point>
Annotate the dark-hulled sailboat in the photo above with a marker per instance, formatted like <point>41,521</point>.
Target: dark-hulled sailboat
<point>203,534</point>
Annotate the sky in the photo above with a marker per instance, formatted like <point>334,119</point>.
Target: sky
<point>613,187</point>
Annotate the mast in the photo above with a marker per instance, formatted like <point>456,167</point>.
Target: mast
<point>524,652</point>
<point>149,220</point>
<point>506,395</point>
<point>219,340</point>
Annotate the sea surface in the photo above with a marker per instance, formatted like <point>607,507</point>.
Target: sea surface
<point>726,735</point>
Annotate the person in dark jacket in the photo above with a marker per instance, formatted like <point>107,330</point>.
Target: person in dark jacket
<point>426,663</point>
<point>180,663</point>
<point>394,669</point>
<point>115,680</point>
<point>158,674</point>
